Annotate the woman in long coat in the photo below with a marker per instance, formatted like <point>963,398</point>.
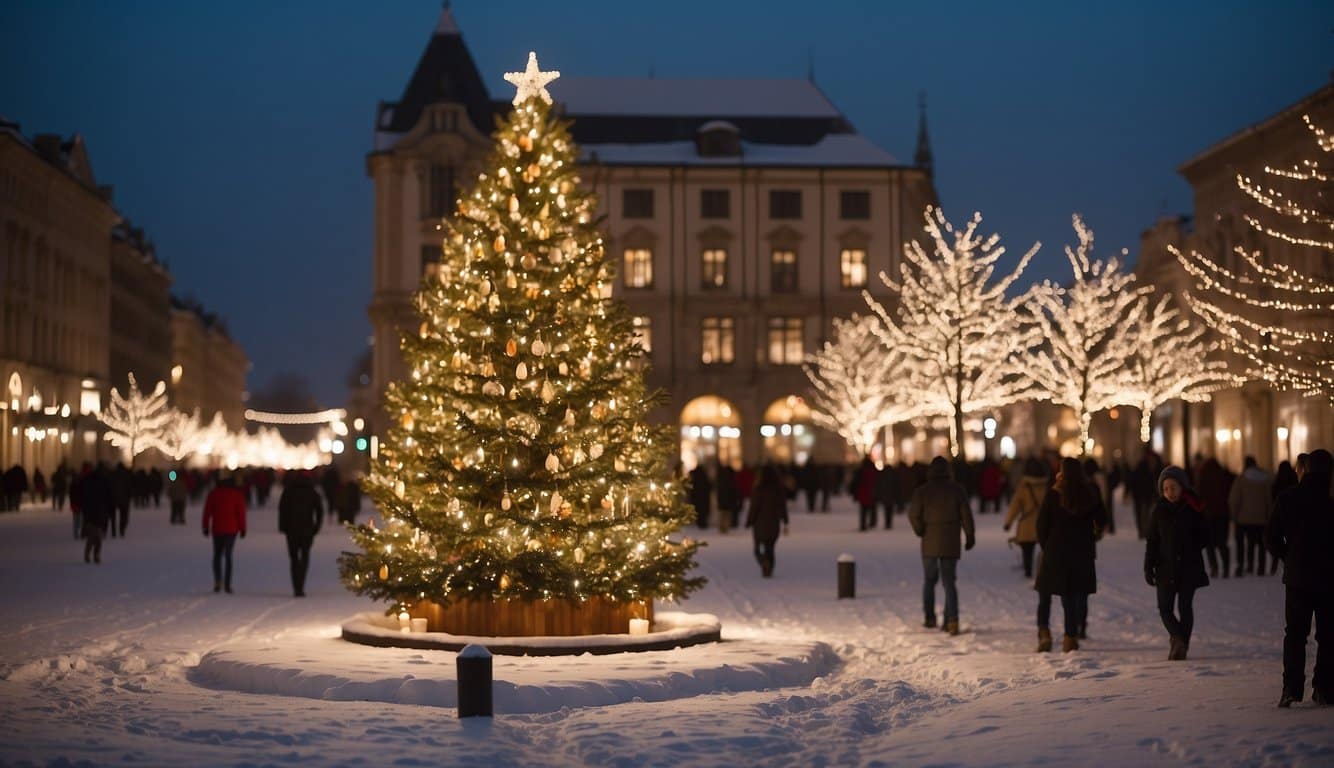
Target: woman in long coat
<point>767,517</point>
<point>1068,524</point>
<point>1024,508</point>
<point>1173,563</point>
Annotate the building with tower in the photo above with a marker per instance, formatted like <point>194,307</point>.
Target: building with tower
<point>744,216</point>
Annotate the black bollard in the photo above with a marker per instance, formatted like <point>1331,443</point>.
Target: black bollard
<point>474,671</point>
<point>847,576</point>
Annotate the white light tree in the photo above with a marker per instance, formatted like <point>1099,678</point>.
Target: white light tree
<point>1086,346</point>
<point>135,422</point>
<point>856,390</point>
<point>1279,318</point>
<point>1170,361</point>
<point>181,434</point>
<point>955,329</point>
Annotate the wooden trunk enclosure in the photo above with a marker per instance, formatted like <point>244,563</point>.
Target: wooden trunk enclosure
<point>532,618</point>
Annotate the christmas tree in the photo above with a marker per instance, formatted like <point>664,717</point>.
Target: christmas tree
<point>519,465</point>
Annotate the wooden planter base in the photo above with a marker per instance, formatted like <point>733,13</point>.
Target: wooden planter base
<point>532,618</point>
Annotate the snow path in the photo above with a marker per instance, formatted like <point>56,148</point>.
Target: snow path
<point>95,665</point>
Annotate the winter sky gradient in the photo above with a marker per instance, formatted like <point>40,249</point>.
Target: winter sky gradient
<point>236,133</point>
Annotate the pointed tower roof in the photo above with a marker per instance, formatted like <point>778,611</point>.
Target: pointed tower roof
<point>922,158</point>
<point>446,72</point>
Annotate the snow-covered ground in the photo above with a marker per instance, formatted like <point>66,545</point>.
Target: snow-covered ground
<point>100,665</point>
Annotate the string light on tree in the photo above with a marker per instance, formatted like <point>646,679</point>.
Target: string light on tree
<point>1085,351</point>
<point>1276,318</point>
<point>525,409</point>
<point>957,333</point>
<point>857,392</point>
<point>135,422</point>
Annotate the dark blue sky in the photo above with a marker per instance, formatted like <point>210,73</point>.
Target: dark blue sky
<point>236,132</point>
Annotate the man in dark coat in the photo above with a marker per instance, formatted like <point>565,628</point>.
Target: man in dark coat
<point>299,516</point>
<point>938,514</point>
<point>1143,489</point>
<point>16,484</point>
<point>122,487</point>
<point>1301,532</point>
<point>729,500</point>
<point>887,492</point>
<point>701,494</point>
<point>767,517</point>
<point>96,508</point>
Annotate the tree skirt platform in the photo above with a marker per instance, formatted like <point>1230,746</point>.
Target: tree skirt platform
<point>669,630</point>
<point>310,663</point>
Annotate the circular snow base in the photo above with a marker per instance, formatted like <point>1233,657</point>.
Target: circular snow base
<point>313,662</point>
<point>670,630</point>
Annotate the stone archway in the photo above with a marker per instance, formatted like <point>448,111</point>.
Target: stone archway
<point>710,429</point>
<point>788,432</point>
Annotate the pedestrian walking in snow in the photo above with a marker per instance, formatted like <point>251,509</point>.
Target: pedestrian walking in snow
<point>1143,489</point>
<point>1024,508</point>
<point>299,515</point>
<point>701,494</point>
<point>1173,561</point>
<point>863,490</point>
<point>177,495</point>
<point>1249,503</point>
<point>1301,531</point>
<point>122,488</point>
<point>767,517</point>
<point>95,506</point>
<point>224,518</point>
<point>887,492</point>
<point>939,514</point>
<point>15,485</point>
<point>38,486</point>
<point>1068,524</point>
<point>1214,483</point>
<point>728,499</point>
<point>60,481</point>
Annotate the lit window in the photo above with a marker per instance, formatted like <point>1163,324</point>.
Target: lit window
<point>783,271</point>
<point>852,266</point>
<point>717,340</point>
<point>638,268</point>
<point>714,268</point>
<point>643,333</point>
<point>785,343</point>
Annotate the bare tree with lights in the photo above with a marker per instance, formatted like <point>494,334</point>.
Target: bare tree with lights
<point>1276,317</point>
<point>135,422</point>
<point>856,390</point>
<point>1086,348</point>
<point>957,332</point>
<point>519,464</point>
<point>181,434</point>
<point>1170,361</point>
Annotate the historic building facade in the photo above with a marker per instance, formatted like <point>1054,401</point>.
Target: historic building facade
<point>140,310</point>
<point>209,368</point>
<point>55,224</point>
<point>1254,419</point>
<point>745,215</point>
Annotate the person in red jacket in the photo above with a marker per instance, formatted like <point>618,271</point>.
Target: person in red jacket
<point>224,517</point>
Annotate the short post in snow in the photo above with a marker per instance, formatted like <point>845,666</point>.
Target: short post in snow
<point>474,671</point>
<point>847,576</point>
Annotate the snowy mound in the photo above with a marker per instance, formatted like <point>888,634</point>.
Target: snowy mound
<point>670,630</point>
<point>322,667</point>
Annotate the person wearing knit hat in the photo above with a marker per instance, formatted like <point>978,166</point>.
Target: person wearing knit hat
<point>1173,556</point>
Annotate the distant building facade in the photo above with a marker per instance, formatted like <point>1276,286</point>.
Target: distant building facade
<point>1254,419</point>
<point>209,368</point>
<point>745,216</point>
<point>140,310</point>
<point>55,224</point>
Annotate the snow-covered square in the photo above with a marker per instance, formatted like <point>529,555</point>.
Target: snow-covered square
<point>125,663</point>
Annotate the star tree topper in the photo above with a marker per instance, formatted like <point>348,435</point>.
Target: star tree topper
<point>531,81</point>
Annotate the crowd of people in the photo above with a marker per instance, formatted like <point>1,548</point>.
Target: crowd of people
<point>1059,509</point>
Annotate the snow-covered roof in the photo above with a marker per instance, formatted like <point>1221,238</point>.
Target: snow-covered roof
<point>848,150</point>
<point>691,97</point>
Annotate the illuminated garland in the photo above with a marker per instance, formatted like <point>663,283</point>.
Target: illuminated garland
<point>519,464</point>
<point>1086,351</point>
<point>1277,320</point>
<point>957,336</point>
<point>134,422</point>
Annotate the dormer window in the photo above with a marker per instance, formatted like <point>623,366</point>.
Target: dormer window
<point>718,138</point>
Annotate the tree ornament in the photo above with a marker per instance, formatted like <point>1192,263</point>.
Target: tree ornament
<point>552,463</point>
<point>555,256</point>
<point>406,421</point>
<point>578,456</point>
<point>595,451</point>
<point>563,369</point>
<point>529,260</point>
<point>579,555</point>
<point>521,371</point>
<point>511,282</point>
<point>493,303</point>
<point>539,348</point>
<point>452,323</point>
<point>514,204</point>
<point>511,347</point>
<point>556,502</point>
<point>489,369</point>
<point>565,510</point>
<point>499,244</point>
<point>422,331</point>
<point>548,392</point>
<point>607,502</point>
<point>525,143</point>
<point>384,573</point>
<point>493,388</point>
<point>504,581</point>
<point>505,502</point>
<point>532,82</point>
<point>484,287</point>
<point>569,417</point>
<point>618,465</point>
